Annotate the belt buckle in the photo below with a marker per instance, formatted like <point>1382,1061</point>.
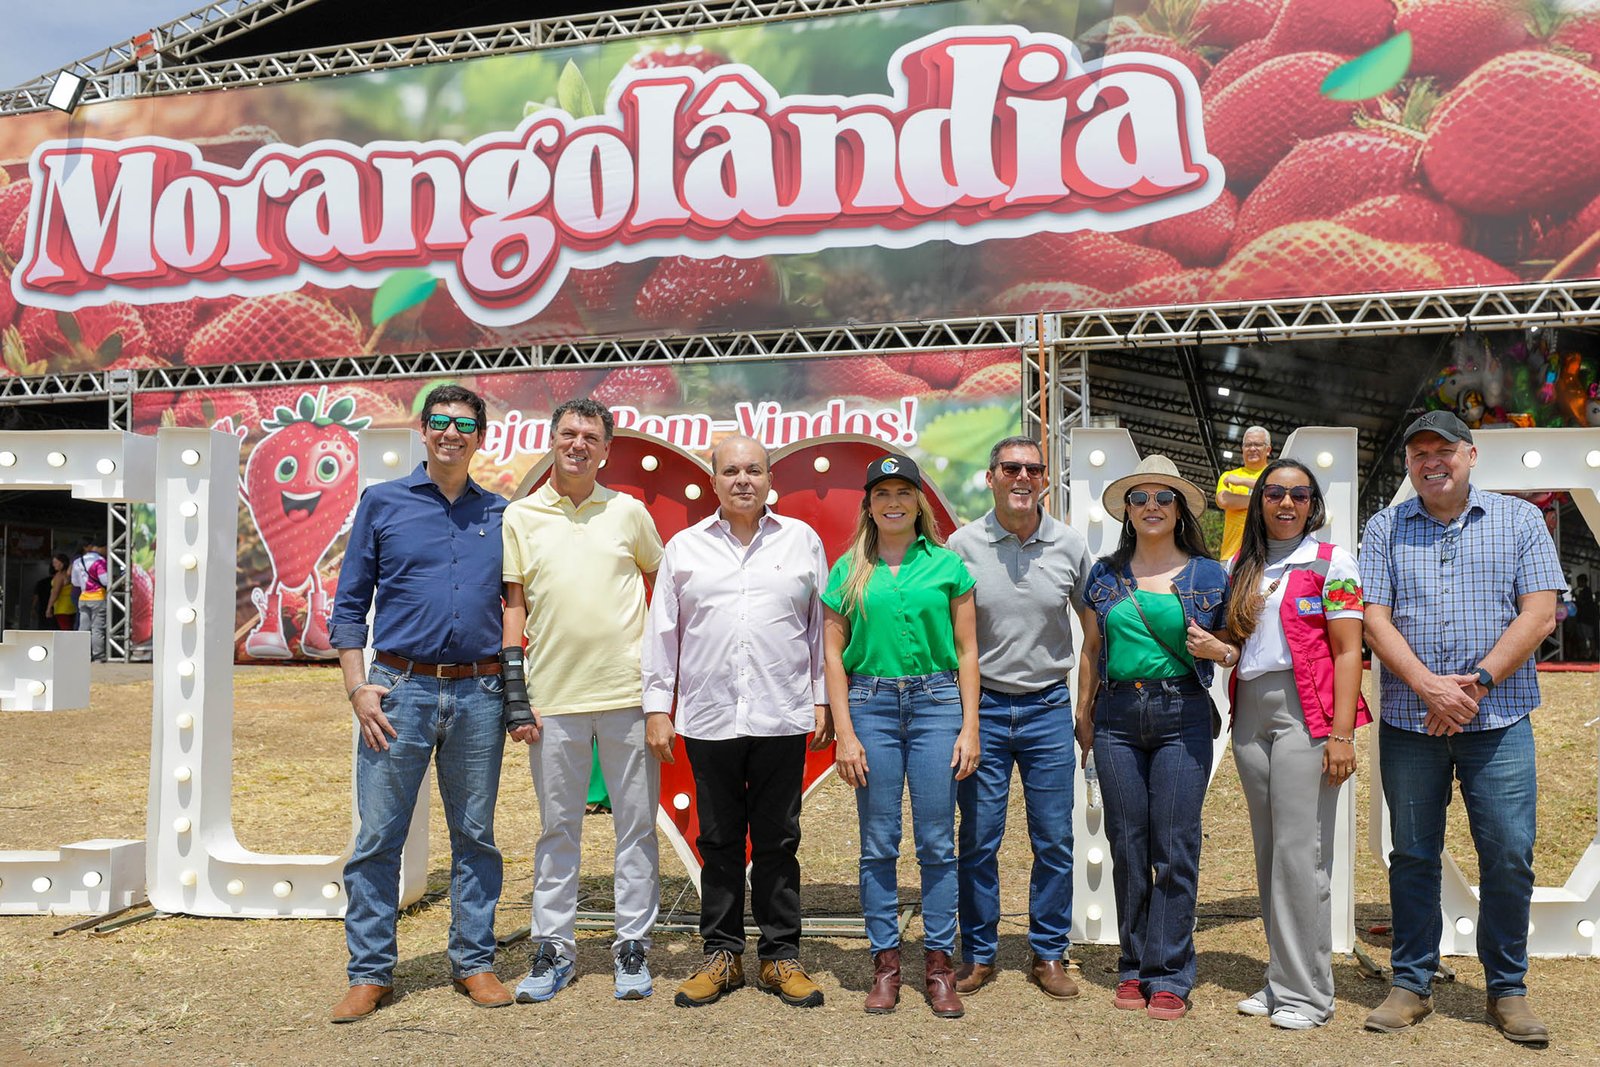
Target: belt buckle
<point>1138,685</point>
<point>438,670</point>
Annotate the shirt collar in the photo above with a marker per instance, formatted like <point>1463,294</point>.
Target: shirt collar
<point>419,477</point>
<point>548,496</point>
<point>768,518</point>
<point>1049,528</point>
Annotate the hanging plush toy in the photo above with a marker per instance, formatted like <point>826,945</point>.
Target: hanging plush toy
<point>1591,409</point>
<point>1471,407</point>
<point>1565,388</point>
<point>1453,381</point>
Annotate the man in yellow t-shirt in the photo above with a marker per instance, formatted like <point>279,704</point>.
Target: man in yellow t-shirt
<point>1233,488</point>
<point>576,556</point>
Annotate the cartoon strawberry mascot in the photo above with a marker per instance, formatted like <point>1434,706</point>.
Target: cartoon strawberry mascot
<point>300,485</point>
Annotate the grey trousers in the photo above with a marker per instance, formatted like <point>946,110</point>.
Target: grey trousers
<point>1292,810</point>
<point>92,617</point>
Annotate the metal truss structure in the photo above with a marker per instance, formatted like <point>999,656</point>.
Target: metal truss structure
<point>119,539</point>
<point>179,65</point>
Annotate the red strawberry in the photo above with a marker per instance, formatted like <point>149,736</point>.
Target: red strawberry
<point>1348,26</point>
<point>677,56</point>
<point>13,200</point>
<point>301,483</point>
<point>1161,45</point>
<point>16,238</point>
<point>282,326</point>
<point>640,387</point>
<point>567,385</point>
<point>693,293</point>
<point>1231,23</point>
<point>1184,287</point>
<point>940,369</point>
<point>1324,176</point>
<point>1254,122</point>
<point>171,325</point>
<point>1557,242</point>
<point>1451,38</point>
<point>1537,116</point>
<point>1087,257</point>
<point>557,321</point>
<point>1235,65</point>
<point>1579,33</point>
<point>527,393</point>
<point>242,406</point>
<point>978,358</point>
<point>1407,218</point>
<point>143,606</point>
<point>1303,258</point>
<point>89,337</point>
<point>354,299</point>
<point>445,325</point>
<point>138,363</point>
<point>611,288</point>
<point>864,376</point>
<point>1200,238</point>
<point>1463,267</point>
<point>8,303</point>
<point>1001,379</point>
<point>1029,297</point>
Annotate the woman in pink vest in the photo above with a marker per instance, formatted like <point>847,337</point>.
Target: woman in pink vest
<point>1296,617</point>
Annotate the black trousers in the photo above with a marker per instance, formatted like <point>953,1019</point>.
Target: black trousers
<point>749,785</point>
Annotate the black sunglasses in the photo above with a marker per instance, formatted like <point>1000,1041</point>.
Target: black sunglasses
<point>465,424</point>
<point>1300,494</point>
<point>1139,497</point>
<point>1013,470</point>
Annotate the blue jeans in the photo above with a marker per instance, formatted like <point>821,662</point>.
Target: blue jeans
<point>1498,789</point>
<point>908,727</point>
<point>1033,732</point>
<point>1152,747</point>
<point>456,723</point>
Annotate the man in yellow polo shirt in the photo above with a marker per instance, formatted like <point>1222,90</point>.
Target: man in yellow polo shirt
<point>1233,489</point>
<point>575,560</point>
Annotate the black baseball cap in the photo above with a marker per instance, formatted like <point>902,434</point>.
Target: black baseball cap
<point>895,466</point>
<point>1443,423</point>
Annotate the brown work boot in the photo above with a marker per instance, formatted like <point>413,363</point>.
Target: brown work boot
<point>941,987</point>
<point>485,990</point>
<point>1399,1010</point>
<point>361,1001</point>
<point>885,992</point>
<point>789,981</point>
<point>1513,1018</point>
<point>971,977</point>
<point>720,974</point>
<point>1052,977</point>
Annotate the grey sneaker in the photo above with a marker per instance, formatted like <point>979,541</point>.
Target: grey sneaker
<point>1255,1004</point>
<point>550,974</point>
<point>632,971</point>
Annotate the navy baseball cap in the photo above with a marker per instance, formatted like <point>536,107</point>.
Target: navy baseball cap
<point>1443,423</point>
<point>887,467</point>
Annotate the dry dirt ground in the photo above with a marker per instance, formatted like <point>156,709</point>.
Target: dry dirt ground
<point>212,991</point>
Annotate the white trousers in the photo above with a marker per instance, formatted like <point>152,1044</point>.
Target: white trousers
<point>561,763</point>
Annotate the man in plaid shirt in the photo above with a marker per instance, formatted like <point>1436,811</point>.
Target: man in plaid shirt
<point>1461,587</point>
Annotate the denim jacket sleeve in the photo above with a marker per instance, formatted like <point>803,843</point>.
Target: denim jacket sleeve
<point>1202,588</point>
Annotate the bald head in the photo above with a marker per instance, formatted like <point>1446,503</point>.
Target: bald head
<point>741,441</point>
<point>741,477</point>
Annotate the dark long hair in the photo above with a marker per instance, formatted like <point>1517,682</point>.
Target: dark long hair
<point>1187,535</point>
<point>1244,609</point>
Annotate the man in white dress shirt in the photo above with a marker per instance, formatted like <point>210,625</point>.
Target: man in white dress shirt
<point>735,635</point>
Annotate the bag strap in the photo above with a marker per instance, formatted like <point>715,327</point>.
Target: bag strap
<point>1133,595</point>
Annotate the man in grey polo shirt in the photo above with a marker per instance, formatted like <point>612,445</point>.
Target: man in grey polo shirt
<point>1031,570</point>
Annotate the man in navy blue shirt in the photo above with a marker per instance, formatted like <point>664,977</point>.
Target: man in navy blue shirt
<point>427,547</point>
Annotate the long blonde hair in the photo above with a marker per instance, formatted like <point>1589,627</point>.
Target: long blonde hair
<point>863,550</point>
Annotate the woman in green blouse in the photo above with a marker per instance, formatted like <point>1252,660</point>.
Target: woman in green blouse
<point>902,662</point>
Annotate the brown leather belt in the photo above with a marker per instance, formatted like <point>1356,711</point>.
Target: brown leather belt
<point>438,670</point>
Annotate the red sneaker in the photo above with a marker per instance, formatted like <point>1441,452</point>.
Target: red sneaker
<point>1129,998</point>
<point>1164,1005</point>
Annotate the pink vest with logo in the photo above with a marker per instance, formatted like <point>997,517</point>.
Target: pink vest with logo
<point>1305,626</point>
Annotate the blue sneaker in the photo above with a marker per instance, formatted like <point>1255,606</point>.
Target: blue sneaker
<point>550,974</point>
<point>633,971</point>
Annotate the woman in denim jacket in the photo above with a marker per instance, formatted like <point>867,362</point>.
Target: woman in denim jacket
<point>1151,724</point>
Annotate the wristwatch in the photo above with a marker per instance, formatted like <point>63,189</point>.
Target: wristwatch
<point>1486,680</point>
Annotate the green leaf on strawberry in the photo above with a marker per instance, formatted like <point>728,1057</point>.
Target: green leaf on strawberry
<point>1370,74</point>
<point>951,435</point>
<point>401,291</point>
<point>572,92</point>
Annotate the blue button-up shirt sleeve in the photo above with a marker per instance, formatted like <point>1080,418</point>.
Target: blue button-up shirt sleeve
<point>1377,577</point>
<point>358,576</point>
<point>1538,568</point>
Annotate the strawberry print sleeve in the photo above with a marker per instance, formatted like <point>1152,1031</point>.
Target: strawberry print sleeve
<point>1341,593</point>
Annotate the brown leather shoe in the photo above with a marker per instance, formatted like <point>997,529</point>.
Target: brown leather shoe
<point>720,974</point>
<point>885,993</point>
<point>361,1001</point>
<point>941,987</point>
<point>1400,1010</point>
<point>485,990</point>
<point>971,977</point>
<point>1513,1018</point>
<point>1052,977</point>
<point>790,983</point>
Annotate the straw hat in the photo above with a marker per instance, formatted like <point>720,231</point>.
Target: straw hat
<point>1157,470</point>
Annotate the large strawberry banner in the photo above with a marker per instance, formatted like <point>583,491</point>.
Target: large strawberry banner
<point>298,460</point>
<point>936,160</point>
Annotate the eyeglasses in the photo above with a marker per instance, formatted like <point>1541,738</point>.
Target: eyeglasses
<point>466,425</point>
<point>1300,494</point>
<point>1447,546</point>
<point>1016,470</point>
<point>1139,498</point>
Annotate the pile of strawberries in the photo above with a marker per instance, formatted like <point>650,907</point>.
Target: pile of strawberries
<point>1478,169</point>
